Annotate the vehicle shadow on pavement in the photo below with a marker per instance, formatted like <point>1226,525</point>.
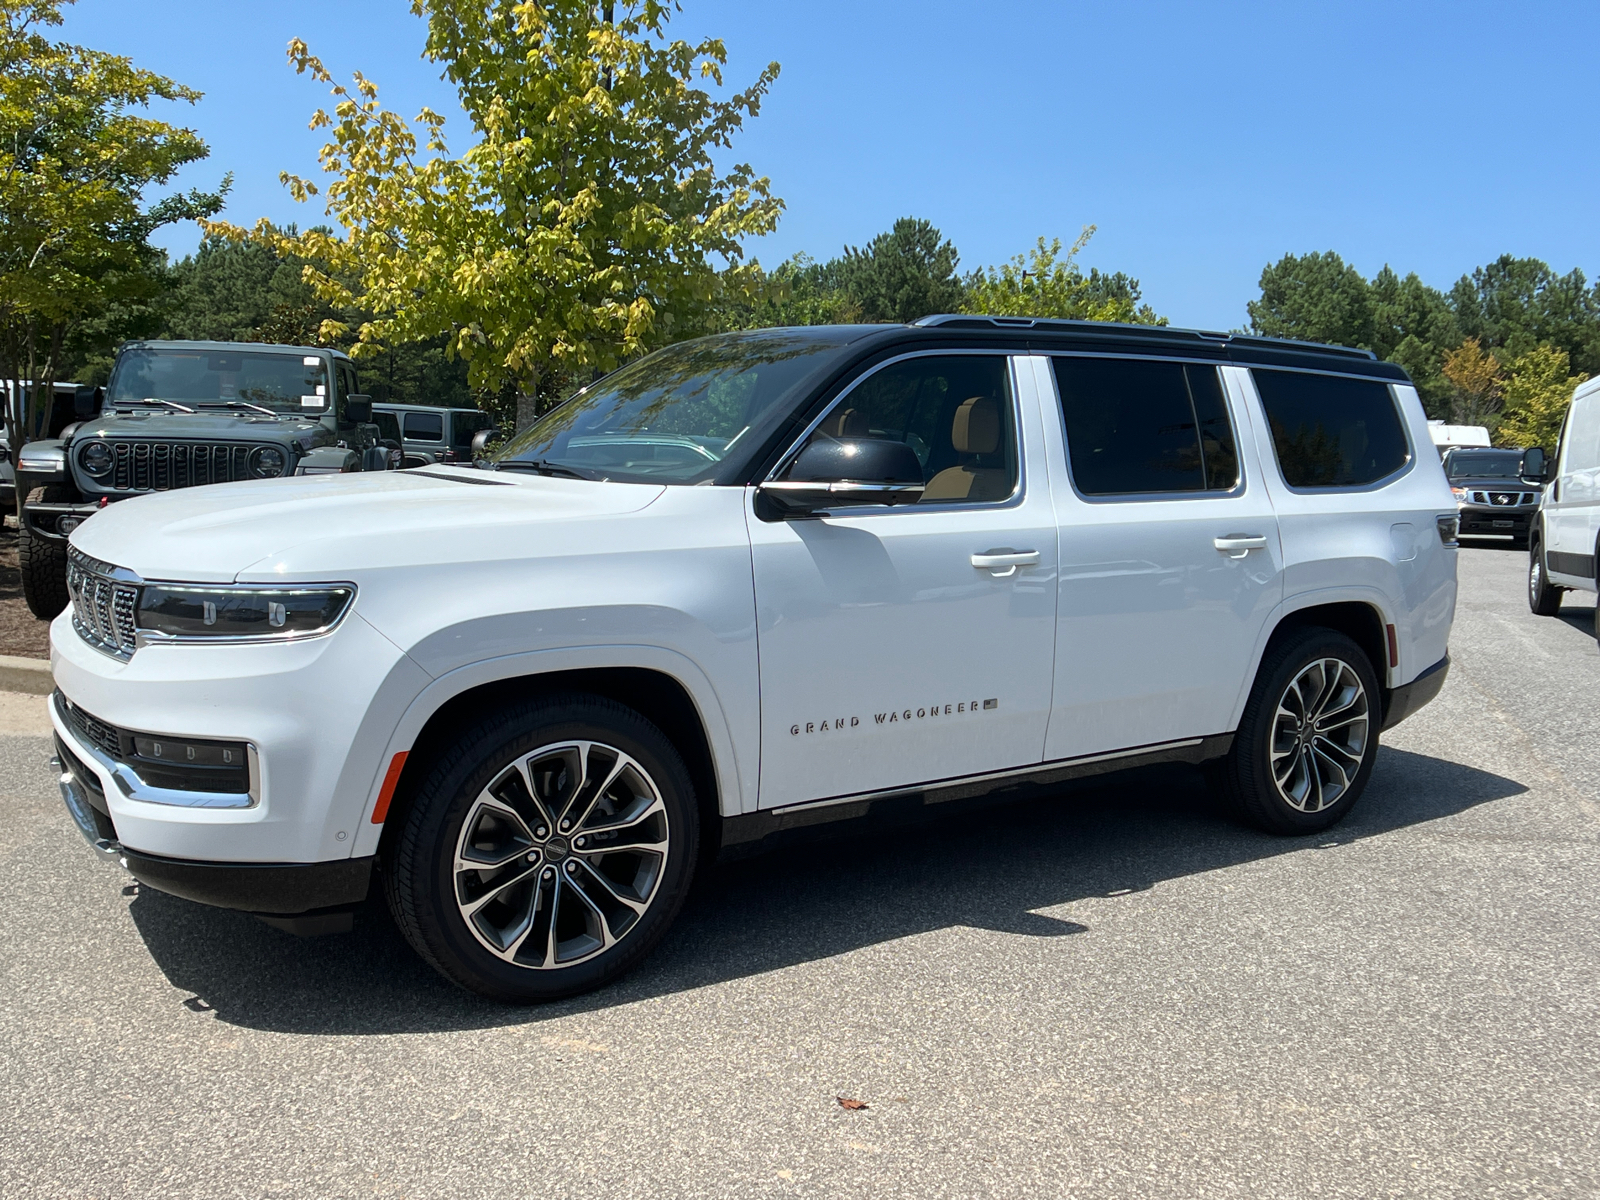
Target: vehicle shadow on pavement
<point>798,904</point>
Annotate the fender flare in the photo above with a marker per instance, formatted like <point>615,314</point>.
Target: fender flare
<point>679,667</point>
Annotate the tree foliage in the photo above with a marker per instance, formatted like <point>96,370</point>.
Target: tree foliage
<point>899,276</point>
<point>587,223</point>
<point>77,155</point>
<point>1476,380</point>
<point>1538,388</point>
<point>1045,283</point>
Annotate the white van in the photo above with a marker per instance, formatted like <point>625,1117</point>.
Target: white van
<point>1561,547</point>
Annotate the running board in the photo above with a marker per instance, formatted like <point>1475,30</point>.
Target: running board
<point>1016,784</point>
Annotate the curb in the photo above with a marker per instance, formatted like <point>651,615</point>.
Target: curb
<point>31,675</point>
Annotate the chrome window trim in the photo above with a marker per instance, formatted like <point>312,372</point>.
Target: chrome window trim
<point>1014,500</point>
<point>134,788</point>
<point>1233,493</point>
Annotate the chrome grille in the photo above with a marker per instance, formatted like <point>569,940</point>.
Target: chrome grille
<point>161,466</point>
<point>1503,499</point>
<point>103,602</point>
<point>92,729</point>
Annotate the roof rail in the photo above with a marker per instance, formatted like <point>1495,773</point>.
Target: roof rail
<point>1064,325</point>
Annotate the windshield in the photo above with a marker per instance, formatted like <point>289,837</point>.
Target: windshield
<point>282,382</point>
<point>1485,464</point>
<point>676,415</point>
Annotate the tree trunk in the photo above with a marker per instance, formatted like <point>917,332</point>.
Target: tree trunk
<point>528,403</point>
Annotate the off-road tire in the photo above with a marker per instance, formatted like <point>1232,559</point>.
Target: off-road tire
<point>420,870</point>
<point>43,561</point>
<point>1544,597</point>
<point>1248,774</point>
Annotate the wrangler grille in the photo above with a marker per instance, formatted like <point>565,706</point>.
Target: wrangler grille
<point>160,466</point>
<point>102,607</point>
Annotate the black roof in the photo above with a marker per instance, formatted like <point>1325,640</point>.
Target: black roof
<point>1049,333</point>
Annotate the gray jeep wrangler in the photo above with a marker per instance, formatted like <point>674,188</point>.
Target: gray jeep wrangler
<point>182,414</point>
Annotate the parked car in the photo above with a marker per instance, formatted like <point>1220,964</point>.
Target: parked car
<point>432,434</point>
<point>915,567</point>
<point>1495,502</point>
<point>179,414</point>
<point>1565,540</point>
<point>70,401</point>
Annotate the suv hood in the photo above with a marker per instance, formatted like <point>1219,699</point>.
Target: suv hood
<point>208,424</point>
<point>1496,484</point>
<point>335,527</point>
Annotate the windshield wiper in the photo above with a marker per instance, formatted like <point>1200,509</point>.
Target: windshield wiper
<point>240,404</point>
<point>543,466</point>
<point>173,404</point>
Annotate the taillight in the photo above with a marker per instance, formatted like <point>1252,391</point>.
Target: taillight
<point>1449,529</point>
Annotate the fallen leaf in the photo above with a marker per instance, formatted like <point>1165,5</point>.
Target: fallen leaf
<point>852,1105</point>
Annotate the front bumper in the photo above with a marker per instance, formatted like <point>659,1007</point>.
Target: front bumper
<point>1504,524</point>
<point>265,889</point>
<point>45,519</point>
<point>315,715</point>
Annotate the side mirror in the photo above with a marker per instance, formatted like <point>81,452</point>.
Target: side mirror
<point>844,472</point>
<point>1535,467</point>
<point>357,409</point>
<point>86,403</point>
<point>480,443</point>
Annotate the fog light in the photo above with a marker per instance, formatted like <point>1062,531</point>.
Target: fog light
<point>66,523</point>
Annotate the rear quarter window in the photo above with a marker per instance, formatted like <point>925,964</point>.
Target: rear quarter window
<point>425,427</point>
<point>1330,431</point>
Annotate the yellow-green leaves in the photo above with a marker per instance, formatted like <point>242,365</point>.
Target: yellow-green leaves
<point>1537,391</point>
<point>1045,283</point>
<point>585,224</point>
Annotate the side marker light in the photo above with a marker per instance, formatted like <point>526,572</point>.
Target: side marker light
<point>392,779</point>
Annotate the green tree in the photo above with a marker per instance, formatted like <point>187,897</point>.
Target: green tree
<point>1538,388</point>
<point>1314,297</point>
<point>76,159</point>
<point>588,222</point>
<point>1513,305</point>
<point>899,276</point>
<point>1045,283</point>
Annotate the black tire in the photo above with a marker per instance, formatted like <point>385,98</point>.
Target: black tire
<point>42,562</point>
<point>1249,773</point>
<point>420,871</point>
<point>1544,597</point>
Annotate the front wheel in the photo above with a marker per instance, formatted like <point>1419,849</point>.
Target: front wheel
<point>548,850</point>
<point>1309,736</point>
<point>41,561</point>
<point>1544,597</point>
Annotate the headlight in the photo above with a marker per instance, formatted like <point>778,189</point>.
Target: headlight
<point>171,611</point>
<point>97,459</point>
<point>267,462</point>
<point>1459,493</point>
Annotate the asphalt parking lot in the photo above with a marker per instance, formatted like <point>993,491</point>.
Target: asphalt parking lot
<point>1114,993</point>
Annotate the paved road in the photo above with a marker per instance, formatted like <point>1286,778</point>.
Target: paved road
<point>1117,993</point>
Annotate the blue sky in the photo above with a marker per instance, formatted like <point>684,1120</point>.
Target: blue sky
<point>1204,140</point>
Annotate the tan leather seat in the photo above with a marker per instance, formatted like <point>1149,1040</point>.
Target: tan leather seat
<point>846,423</point>
<point>974,432</point>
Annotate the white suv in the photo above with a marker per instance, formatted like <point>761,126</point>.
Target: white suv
<point>746,585</point>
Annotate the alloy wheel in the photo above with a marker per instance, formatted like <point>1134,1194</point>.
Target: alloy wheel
<point>1319,734</point>
<point>561,855</point>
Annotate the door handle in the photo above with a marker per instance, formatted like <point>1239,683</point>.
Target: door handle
<point>1003,563</point>
<point>1241,542</point>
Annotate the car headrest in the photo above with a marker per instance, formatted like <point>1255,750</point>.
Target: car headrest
<point>976,429</point>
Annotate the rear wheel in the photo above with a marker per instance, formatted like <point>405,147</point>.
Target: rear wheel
<point>1309,736</point>
<point>41,561</point>
<point>1544,597</point>
<point>548,850</point>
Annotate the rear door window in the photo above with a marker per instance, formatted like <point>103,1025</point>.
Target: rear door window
<point>1331,431</point>
<point>1145,427</point>
<point>424,427</point>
